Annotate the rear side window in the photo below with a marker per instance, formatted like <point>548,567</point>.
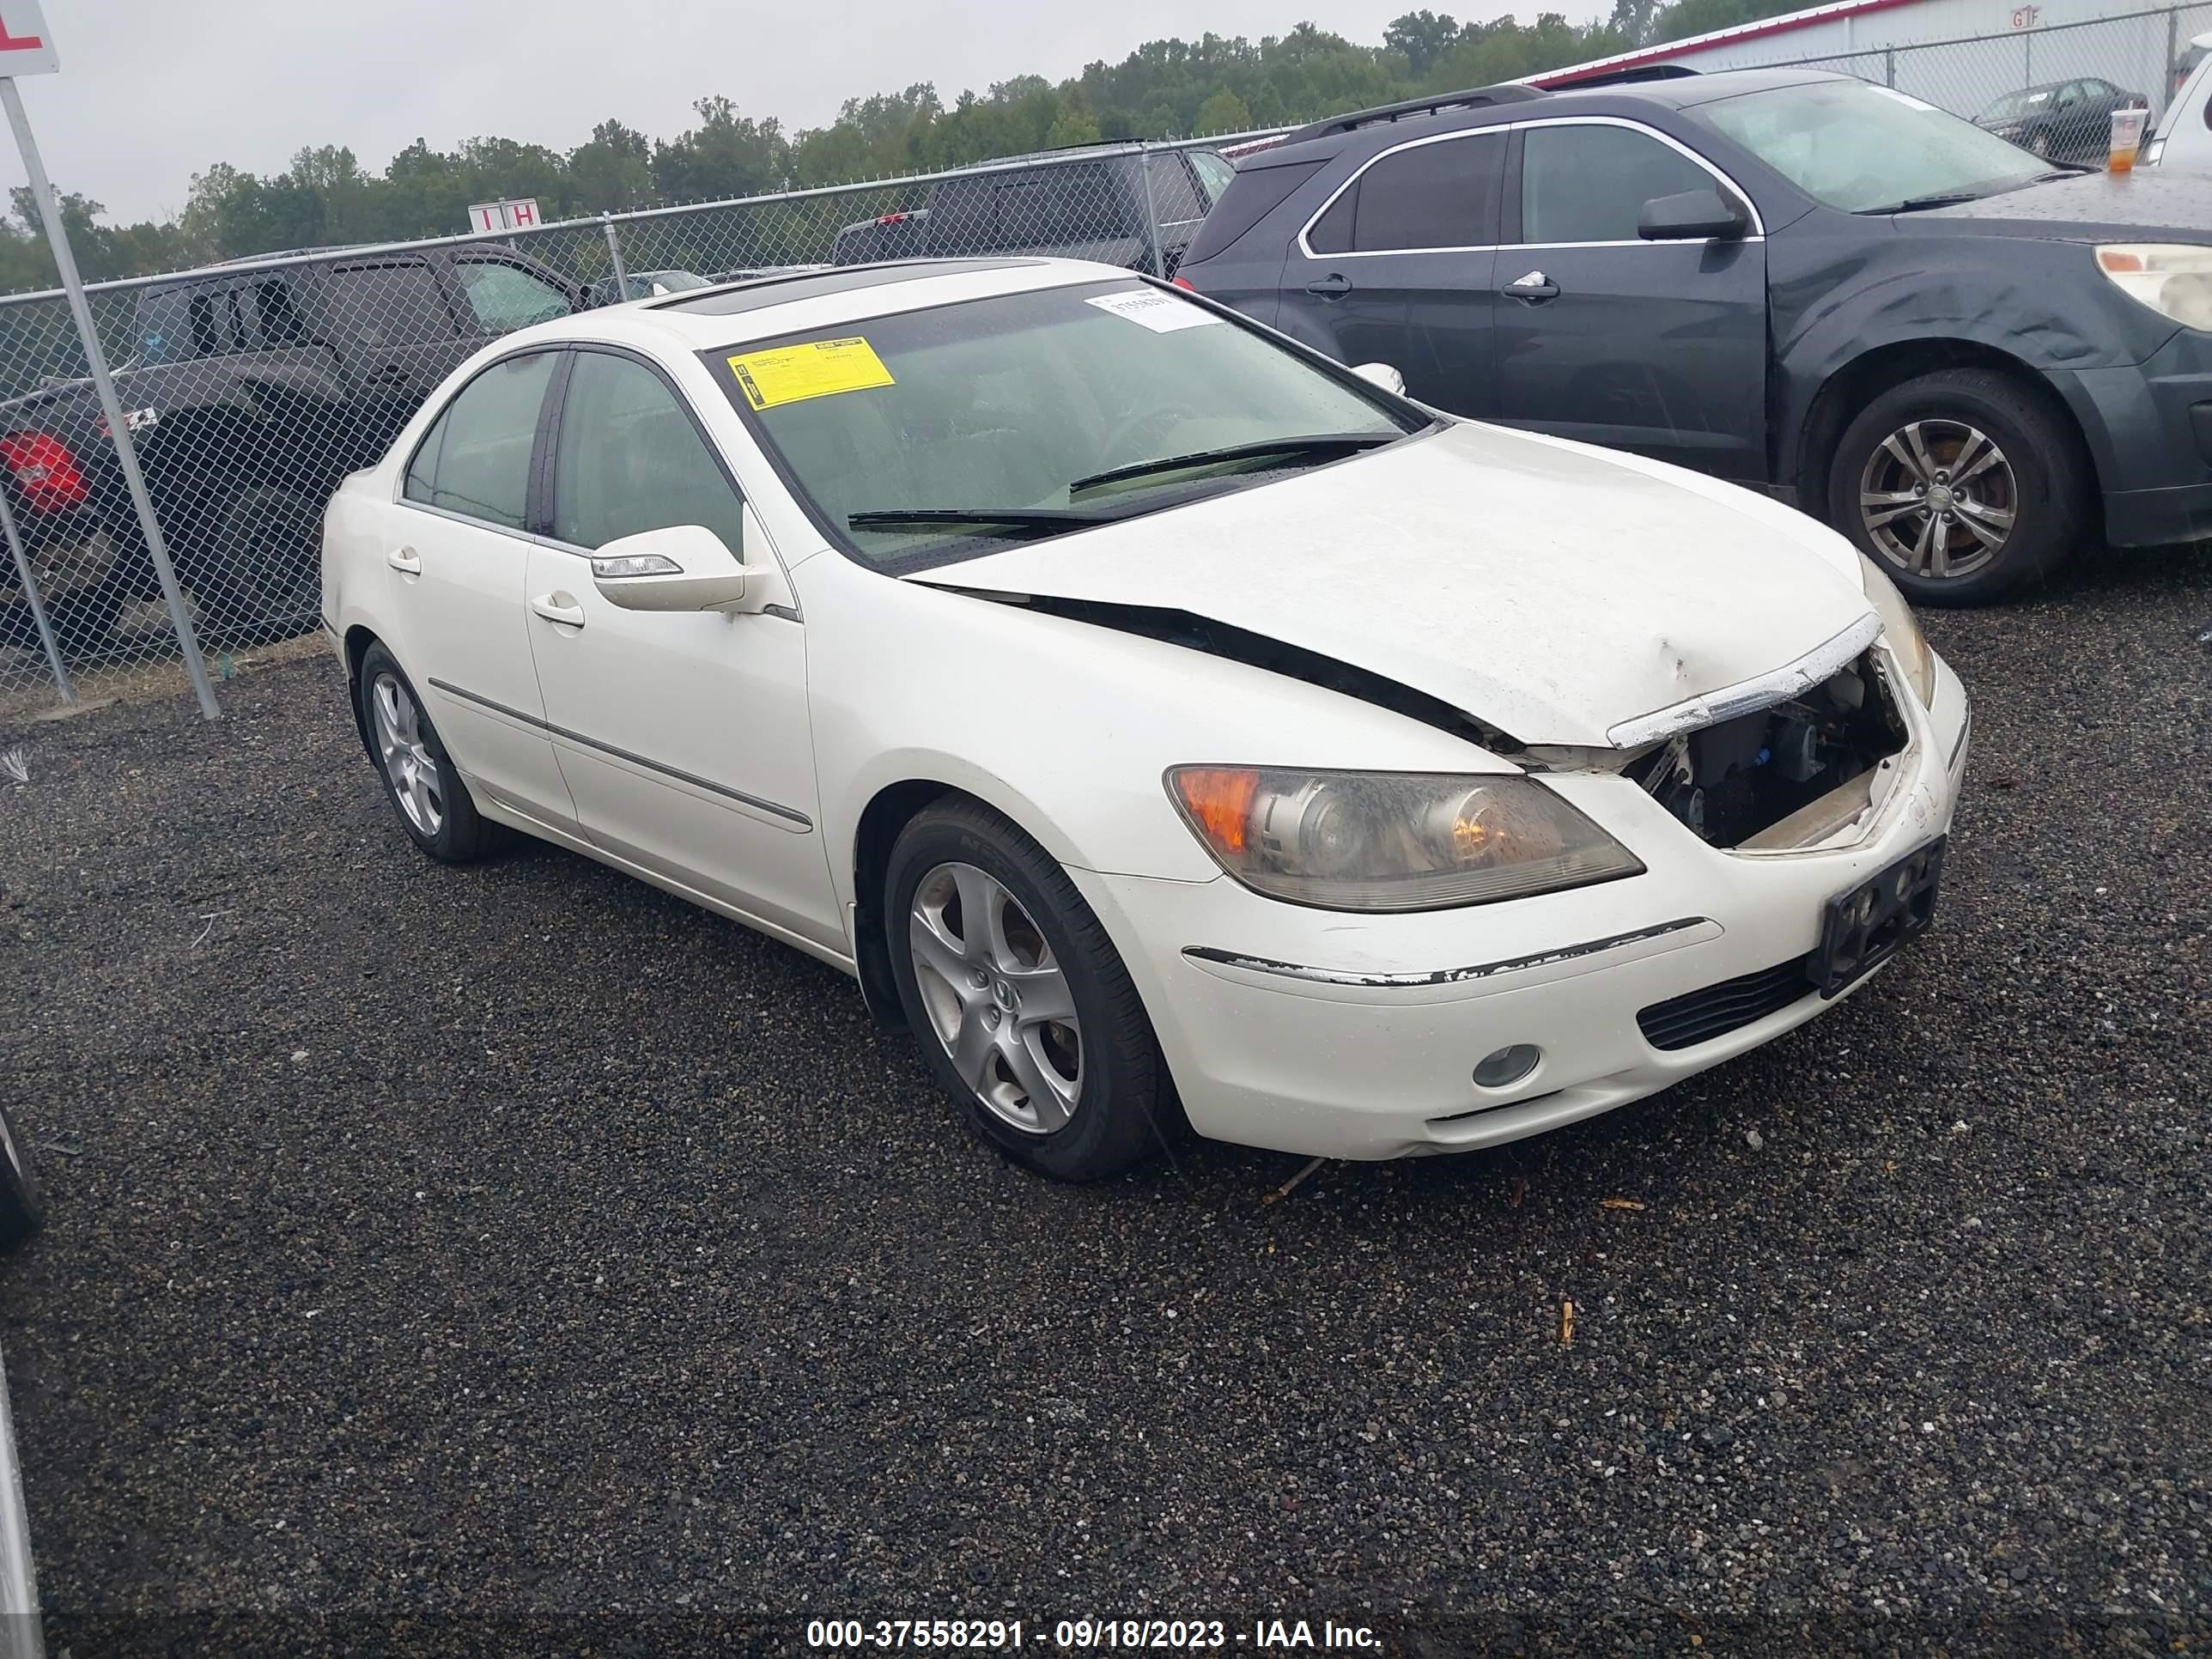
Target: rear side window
<point>1213,173</point>
<point>1074,203</point>
<point>475,460</point>
<point>1433,196</point>
<point>388,305</point>
<point>1252,194</point>
<point>631,460</point>
<point>1176,199</point>
<point>1589,184</point>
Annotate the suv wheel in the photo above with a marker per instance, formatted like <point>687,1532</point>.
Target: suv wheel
<point>256,562</point>
<point>1961,485</point>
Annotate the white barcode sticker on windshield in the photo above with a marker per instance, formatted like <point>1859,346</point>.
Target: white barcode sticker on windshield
<point>1163,313</point>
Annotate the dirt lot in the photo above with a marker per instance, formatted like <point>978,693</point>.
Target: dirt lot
<point>515,1260</point>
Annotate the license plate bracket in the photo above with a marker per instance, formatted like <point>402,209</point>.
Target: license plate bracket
<point>1864,925</point>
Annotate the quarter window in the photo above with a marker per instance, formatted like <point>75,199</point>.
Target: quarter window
<point>505,297</point>
<point>1589,184</point>
<point>476,459</point>
<point>631,460</point>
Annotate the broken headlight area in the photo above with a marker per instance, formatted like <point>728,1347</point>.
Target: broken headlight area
<point>1785,775</point>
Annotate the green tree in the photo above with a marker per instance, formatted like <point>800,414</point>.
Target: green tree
<point>1223,112</point>
<point>1422,37</point>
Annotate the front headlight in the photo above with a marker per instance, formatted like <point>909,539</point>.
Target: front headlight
<point>1392,841</point>
<point>2173,278</point>
<point>1906,642</point>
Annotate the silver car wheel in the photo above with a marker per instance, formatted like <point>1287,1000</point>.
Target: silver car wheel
<point>1938,499</point>
<point>407,759</point>
<point>996,998</point>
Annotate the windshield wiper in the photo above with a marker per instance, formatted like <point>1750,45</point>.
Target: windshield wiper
<point>1942,198</point>
<point>1315,443</point>
<point>1019,520</point>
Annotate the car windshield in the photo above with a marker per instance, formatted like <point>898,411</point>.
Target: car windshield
<point>2016,103</point>
<point>1865,149</point>
<point>941,433</point>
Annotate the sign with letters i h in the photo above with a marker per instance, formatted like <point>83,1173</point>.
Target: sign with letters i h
<point>26,44</point>
<point>520,214</point>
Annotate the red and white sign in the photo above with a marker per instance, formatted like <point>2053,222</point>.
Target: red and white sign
<point>26,44</point>
<point>520,214</point>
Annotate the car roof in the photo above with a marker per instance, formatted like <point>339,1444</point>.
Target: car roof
<point>1488,106</point>
<point>731,314</point>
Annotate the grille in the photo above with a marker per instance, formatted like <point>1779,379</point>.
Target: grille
<point>1684,1022</point>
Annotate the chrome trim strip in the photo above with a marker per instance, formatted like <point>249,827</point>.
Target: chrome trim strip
<point>788,814</point>
<point>24,1636</point>
<point>1744,696</point>
<point>1758,224</point>
<point>1438,977</point>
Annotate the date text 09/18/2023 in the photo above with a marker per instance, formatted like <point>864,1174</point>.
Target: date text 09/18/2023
<point>1088,1635</point>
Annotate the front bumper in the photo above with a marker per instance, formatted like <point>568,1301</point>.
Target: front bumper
<point>1340,1036</point>
<point>2149,431</point>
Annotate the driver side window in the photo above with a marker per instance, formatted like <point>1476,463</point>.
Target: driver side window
<point>505,297</point>
<point>631,460</point>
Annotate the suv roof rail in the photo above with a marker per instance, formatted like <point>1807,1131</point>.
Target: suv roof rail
<point>1511,92</point>
<point>1621,78</point>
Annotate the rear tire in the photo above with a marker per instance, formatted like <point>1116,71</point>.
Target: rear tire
<point>426,792</point>
<point>254,558</point>
<point>1058,1067</point>
<point>21,1209</point>
<point>1982,446</point>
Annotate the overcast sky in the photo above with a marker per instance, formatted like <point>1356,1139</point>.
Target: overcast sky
<point>152,91</point>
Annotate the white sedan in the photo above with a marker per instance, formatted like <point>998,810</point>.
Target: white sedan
<point>1149,712</point>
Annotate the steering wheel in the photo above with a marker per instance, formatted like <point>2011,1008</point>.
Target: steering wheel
<point>1156,414</point>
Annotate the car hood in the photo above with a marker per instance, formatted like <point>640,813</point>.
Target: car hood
<point>1551,590</point>
<point>2146,203</point>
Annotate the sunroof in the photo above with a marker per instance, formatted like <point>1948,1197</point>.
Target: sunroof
<point>763,291</point>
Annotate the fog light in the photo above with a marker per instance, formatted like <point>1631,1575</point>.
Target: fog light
<point>1508,1065</point>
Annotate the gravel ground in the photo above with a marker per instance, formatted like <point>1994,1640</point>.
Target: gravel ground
<point>514,1259</point>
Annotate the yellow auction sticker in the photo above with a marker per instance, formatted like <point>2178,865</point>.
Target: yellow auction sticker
<point>791,375</point>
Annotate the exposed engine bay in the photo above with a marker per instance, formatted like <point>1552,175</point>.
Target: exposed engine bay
<point>1732,781</point>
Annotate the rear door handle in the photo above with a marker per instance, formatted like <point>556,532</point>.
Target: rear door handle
<point>405,561</point>
<point>550,606</point>
<point>1331,287</point>
<point>1532,289</point>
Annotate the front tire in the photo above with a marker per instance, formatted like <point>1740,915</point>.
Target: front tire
<point>434,806</point>
<point>21,1207</point>
<point>1019,1002</point>
<point>1961,485</point>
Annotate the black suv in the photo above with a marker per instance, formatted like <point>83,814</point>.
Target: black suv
<point>250,391</point>
<point>1087,203</point>
<point>1955,353</point>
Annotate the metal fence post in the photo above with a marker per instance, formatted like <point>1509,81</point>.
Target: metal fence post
<point>1152,216</point>
<point>30,584</point>
<point>2166,87</point>
<point>1889,67</point>
<point>614,252</point>
<point>119,429</point>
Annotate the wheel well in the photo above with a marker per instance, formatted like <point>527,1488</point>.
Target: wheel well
<point>1865,378</point>
<point>891,811</point>
<point>357,641</point>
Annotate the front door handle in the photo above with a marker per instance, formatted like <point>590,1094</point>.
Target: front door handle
<point>1331,287</point>
<point>1532,289</point>
<point>550,606</point>
<point>406,560</point>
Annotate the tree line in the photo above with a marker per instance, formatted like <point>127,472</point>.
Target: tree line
<point>1165,89</point>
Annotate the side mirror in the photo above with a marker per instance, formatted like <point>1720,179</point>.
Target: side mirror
<point>1384,375</point>
<point>686,567</point>
<point>1695,216</point>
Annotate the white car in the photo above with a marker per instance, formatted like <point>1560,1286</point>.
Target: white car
<point>2183,137</point>
<point>1146,709</point>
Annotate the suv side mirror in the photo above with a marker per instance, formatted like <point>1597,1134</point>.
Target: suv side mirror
<point>1695,216</point>
<point>686,567</point>
<point>1384,375</point>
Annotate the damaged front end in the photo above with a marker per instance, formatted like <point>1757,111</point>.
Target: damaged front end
<point>1803,771</point>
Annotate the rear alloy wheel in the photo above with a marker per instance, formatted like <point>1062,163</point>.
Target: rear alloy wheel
<point>433,805</point>
<point>1961,485</point>
<point>255,564</point>
<point>1019,1003</point>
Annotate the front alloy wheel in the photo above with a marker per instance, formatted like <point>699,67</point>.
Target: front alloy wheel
<point>996,998</point>
<point>1938,499</point>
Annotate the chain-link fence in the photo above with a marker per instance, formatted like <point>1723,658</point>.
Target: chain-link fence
<point>251,389</point>
<point>2049,87</point>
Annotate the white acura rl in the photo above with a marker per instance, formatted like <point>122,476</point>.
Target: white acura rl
<point>1146,710</point>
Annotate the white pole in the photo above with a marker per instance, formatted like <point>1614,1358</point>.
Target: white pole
<point>50,211</point>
